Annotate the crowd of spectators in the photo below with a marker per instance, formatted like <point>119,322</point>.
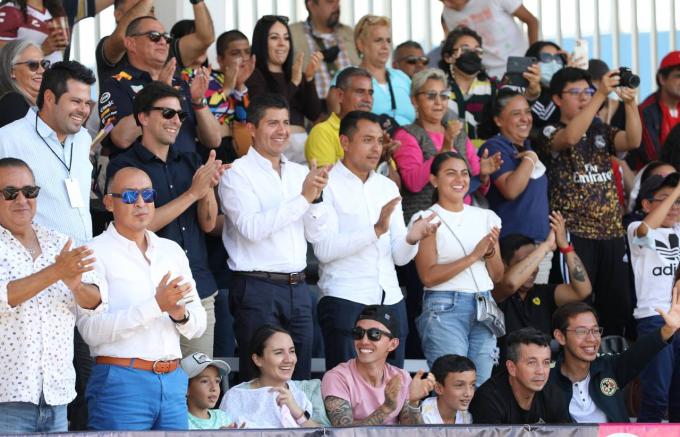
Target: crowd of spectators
<point>321,191</point>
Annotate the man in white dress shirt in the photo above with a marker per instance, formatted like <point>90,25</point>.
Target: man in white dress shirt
<point>43,285</point>
<point>136,383</point>
<point>272,207</point>
<point>365,238</point>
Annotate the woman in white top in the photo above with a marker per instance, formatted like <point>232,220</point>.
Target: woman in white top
<point>270,400</point>
<point>458,266</point>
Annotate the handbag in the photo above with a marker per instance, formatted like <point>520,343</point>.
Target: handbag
<point>488,312</point>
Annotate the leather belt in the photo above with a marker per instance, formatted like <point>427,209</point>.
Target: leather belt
<point>286,278</point>
<point>157,366</point>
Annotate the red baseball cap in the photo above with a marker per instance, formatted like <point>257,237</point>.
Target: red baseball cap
<point>670,60</point>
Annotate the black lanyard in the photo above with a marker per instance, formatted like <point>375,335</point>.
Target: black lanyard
<point>70,162</point>
<point>389,86</point>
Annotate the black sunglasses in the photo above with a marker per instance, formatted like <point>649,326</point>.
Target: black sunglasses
<point>281,18</point>
<point>413,60</point>
<point>29,192</point>
<point>130,196</point>
<point>169,113</point>
<point>33,65</point>
<point>155,36</point>
<point>374,334</point>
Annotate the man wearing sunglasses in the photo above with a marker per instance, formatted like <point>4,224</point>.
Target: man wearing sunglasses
<point>186,208</point>
<point>147,46</point>
<point>137,383</point>
<point>593,385</point>
<point>582,185</point>
<point>366,390</point>
<point>44,283</point>
<point>322,31</point>
<point>410,58</point>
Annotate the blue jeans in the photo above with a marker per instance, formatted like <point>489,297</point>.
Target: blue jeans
<point>25,417</point>
<point>660,379</point>
<point>448,325</point>
<point>127,399</point>
<point>337,317</point>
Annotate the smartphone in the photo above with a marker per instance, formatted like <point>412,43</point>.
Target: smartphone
<point>516,66</point>
<point>580,54</point>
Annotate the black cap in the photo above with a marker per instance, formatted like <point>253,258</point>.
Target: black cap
<point>654,183</point>
<point>382,314</point>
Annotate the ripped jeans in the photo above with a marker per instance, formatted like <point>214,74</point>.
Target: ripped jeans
<point>448,325</point>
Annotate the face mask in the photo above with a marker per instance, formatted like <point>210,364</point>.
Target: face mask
<point>613,96</point>
<point>548,69</point>
<point>469,63</point>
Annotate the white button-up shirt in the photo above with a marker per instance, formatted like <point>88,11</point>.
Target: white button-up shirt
<point>354,263</point>
<point>267,220</point>
<point>34,142</point>
<point>134,325</point>
<point>36,337</point>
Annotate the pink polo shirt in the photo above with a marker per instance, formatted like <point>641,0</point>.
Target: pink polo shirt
<point>344,382</point>
<point>414,170</point>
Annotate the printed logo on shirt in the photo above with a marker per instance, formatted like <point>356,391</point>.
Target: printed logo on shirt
<point>104,97</point>
<point>536,301</point>
<point>593,175</point>
<point>608,387</point>
<point>669,250</point>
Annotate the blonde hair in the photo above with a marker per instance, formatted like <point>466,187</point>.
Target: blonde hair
<point>367,21</point>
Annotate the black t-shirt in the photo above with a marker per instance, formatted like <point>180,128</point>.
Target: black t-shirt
<point>105,68</point>
<point>14,107</point>
<point>494,403</point>
<point>535,310</point>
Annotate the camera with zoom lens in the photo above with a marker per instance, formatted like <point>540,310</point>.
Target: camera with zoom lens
<point>627,78</point>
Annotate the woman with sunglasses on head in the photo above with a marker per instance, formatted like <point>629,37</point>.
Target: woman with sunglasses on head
<point>43,22</point>
<point>458,267</point>
<point>22,65</point>
<point>271,400</point>
<point>278,70</point>
<point>373,38</point>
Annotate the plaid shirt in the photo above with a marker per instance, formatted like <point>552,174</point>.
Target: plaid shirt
<point>324,75</point>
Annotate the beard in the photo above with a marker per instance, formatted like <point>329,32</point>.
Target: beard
<point>333,20</point>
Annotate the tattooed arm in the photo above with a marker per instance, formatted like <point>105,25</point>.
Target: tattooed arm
<point>340,413</point>
<point>410,415</point>
<point>579,286</point>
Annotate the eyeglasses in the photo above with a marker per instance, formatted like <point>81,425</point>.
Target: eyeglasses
<point>34,64</point>
<point>29,192</point>
<point>578,92</point>
<point>549,57</point>
<point>155,36</point>
<point>130,196</point>
<point>281,18</point>
<point>413,60</point>
<point>432,95</point>
<point>374,334</point>
<point>169,113</point>
<point>582,332</point>
<point>466,49</point>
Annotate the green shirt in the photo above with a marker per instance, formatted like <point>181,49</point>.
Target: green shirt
<point>218,419</point>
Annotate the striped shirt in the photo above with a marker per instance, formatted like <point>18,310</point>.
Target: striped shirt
<point>326,71</point>
<point>34,142</point>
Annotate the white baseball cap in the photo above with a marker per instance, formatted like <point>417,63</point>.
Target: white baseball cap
<point>195,363</point>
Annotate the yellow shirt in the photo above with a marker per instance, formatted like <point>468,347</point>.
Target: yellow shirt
<point>323,142</point>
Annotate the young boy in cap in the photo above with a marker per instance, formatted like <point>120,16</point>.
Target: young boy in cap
<point>455,387</point>
<point>366,390</point>
<point>205,376</point>
<point>655,253</point>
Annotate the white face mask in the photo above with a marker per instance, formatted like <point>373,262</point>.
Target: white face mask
<point>548,69</point>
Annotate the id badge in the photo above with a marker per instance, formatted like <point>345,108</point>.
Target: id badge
<point>74,195</point>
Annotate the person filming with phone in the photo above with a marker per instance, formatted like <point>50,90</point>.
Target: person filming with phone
<point>136,383</point>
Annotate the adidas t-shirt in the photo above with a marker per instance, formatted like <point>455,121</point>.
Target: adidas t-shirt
<point>654,259</point>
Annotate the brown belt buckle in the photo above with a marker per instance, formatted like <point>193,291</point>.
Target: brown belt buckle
<point>163,367</point>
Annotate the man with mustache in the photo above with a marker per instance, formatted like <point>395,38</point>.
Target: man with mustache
<point>354,90</point>
<point>323,32</point>
<point>520,393</point>
<point>186,207</point>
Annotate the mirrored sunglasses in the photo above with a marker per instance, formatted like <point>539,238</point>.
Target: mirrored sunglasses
<point>131,196</point>
<point>29,192</point>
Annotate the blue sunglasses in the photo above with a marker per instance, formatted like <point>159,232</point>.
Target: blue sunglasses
<point>130,196</point>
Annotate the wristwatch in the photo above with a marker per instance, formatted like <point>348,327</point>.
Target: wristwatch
<point>199,104</point>
<point>182,321</point>
<point>195,2</point>
<point>303,418</point>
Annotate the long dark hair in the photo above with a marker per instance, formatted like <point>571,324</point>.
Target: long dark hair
<point>54,7</point>
<point>437,162</point>
<point>451,40</point>
<point>258,342</point>
<point>493,108</point>
<point>260,48</point>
